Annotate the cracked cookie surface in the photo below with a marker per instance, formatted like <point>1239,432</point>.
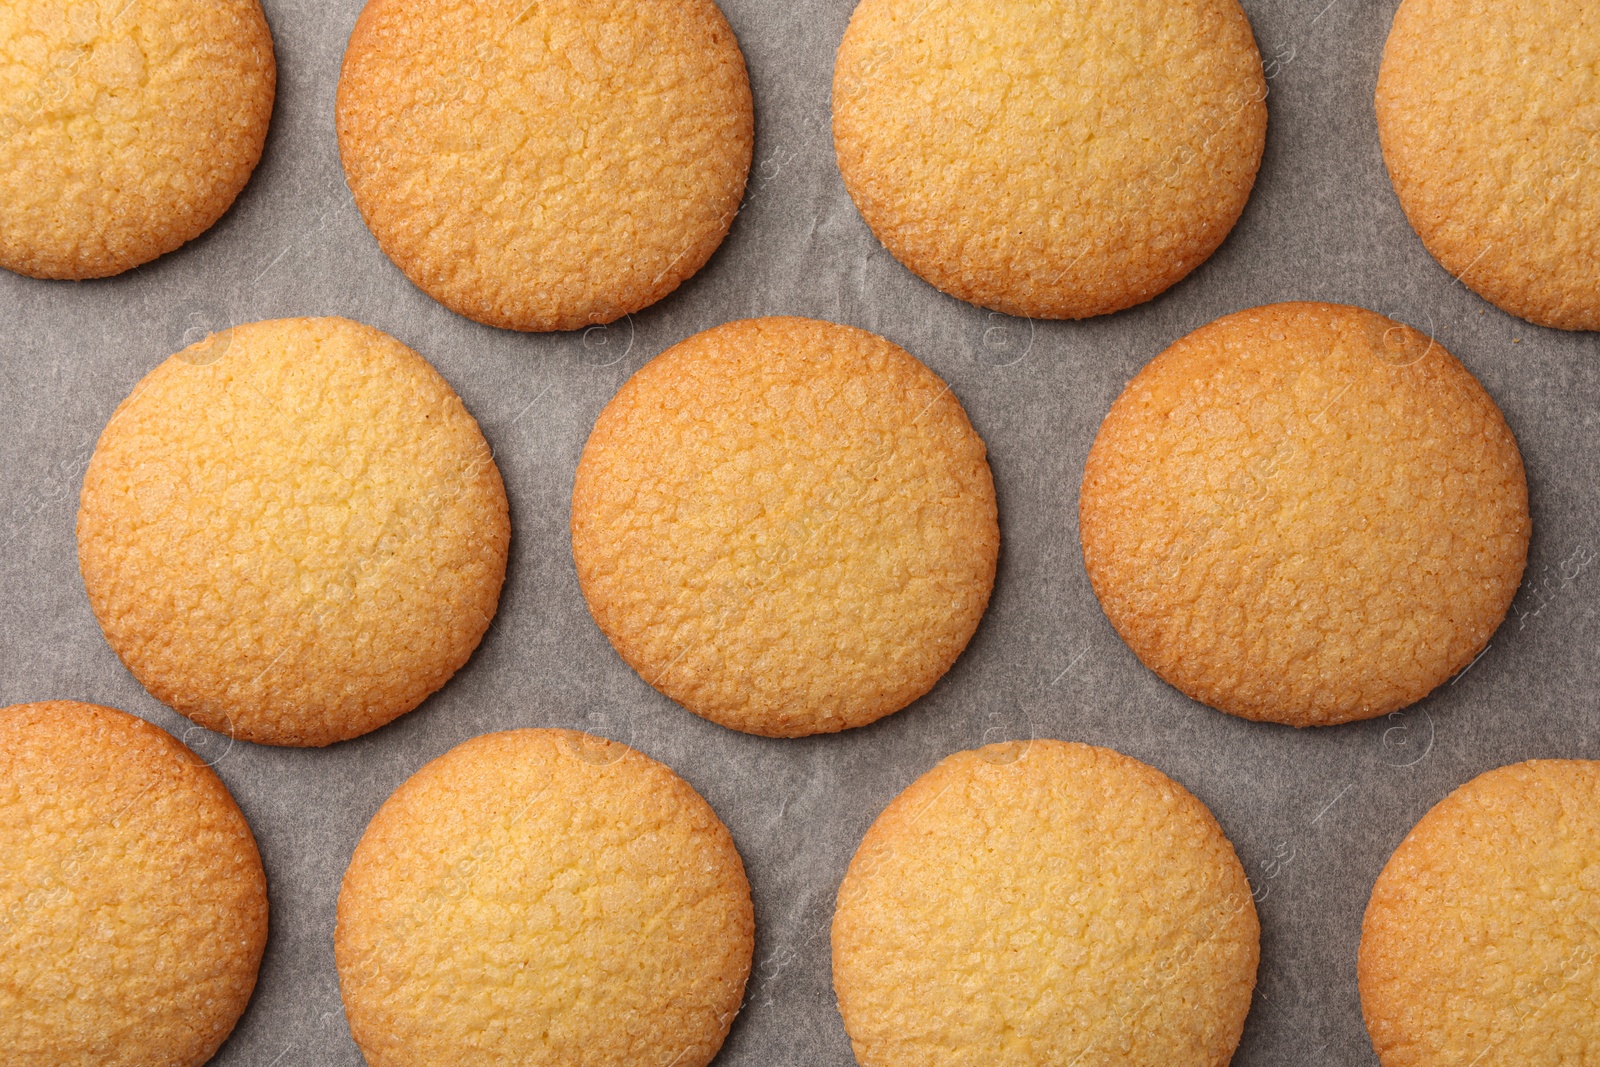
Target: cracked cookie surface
<point>1489,116</point>
<point>127,127</point>
<point>1481,941</point>
<point>788,526</point>
<point>1055,161</point>
<point>1305,513</point>
<point>293,532</point>
<point>549,165</point>
<point>133,906</point>
<point>1038,902</point>
<point>543,897</point>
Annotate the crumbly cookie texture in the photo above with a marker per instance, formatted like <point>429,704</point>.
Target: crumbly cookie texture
<point>292,532</point>
<point>1056,161</point>
<point>543,897</point>
<point>1305,513</point>
<point>787,526</point>
<point>1044,902</point>
<point>127,127</point>
<point>546,166</point>
<point>133,906</point>
<point>1481,943</point>
<point>1489,115</point>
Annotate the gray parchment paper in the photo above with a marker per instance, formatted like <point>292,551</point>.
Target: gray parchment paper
<point>1314,815</point>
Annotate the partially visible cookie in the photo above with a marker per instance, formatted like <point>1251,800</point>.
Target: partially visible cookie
<point>549,165</point>
<point>1305,513</point>
<point>787,526</point>
<point>1489,114</point>
<point>133,906</point>
<point>543,897</point>
<point>127,127</point>
<point>1481,943</point>
<point>1044,159</point>
<point>293,532</point>
<point>1044,902</point>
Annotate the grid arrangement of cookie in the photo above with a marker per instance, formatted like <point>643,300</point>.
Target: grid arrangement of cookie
<point>293,532</point>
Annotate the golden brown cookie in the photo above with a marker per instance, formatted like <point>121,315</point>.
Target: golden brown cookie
<point>133,907</point>
<point>787,526</point>
<point>1044,902</point>
<point>543,897</point>
<point>1305,513</point>
<point>127,127</point>
<point>1049,160</point>
<point>293,532</point>
<point>1489,114</point>
<point>1481,944</point>
<point>545,166</point>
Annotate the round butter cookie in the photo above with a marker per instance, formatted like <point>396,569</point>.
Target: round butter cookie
<point>1044,159</point>
<point>787,526</point>
<point>1044,902</point>
<point>1489,116</point>
<point>1305,513</point>
<point>292,532</point>
<point>1481,943</point>
<point>543,897</point>
<point>127,127</point>
<point>133,906</point>
<point>545,165</point>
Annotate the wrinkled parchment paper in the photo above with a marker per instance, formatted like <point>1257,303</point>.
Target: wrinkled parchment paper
<point>1314,815</point>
